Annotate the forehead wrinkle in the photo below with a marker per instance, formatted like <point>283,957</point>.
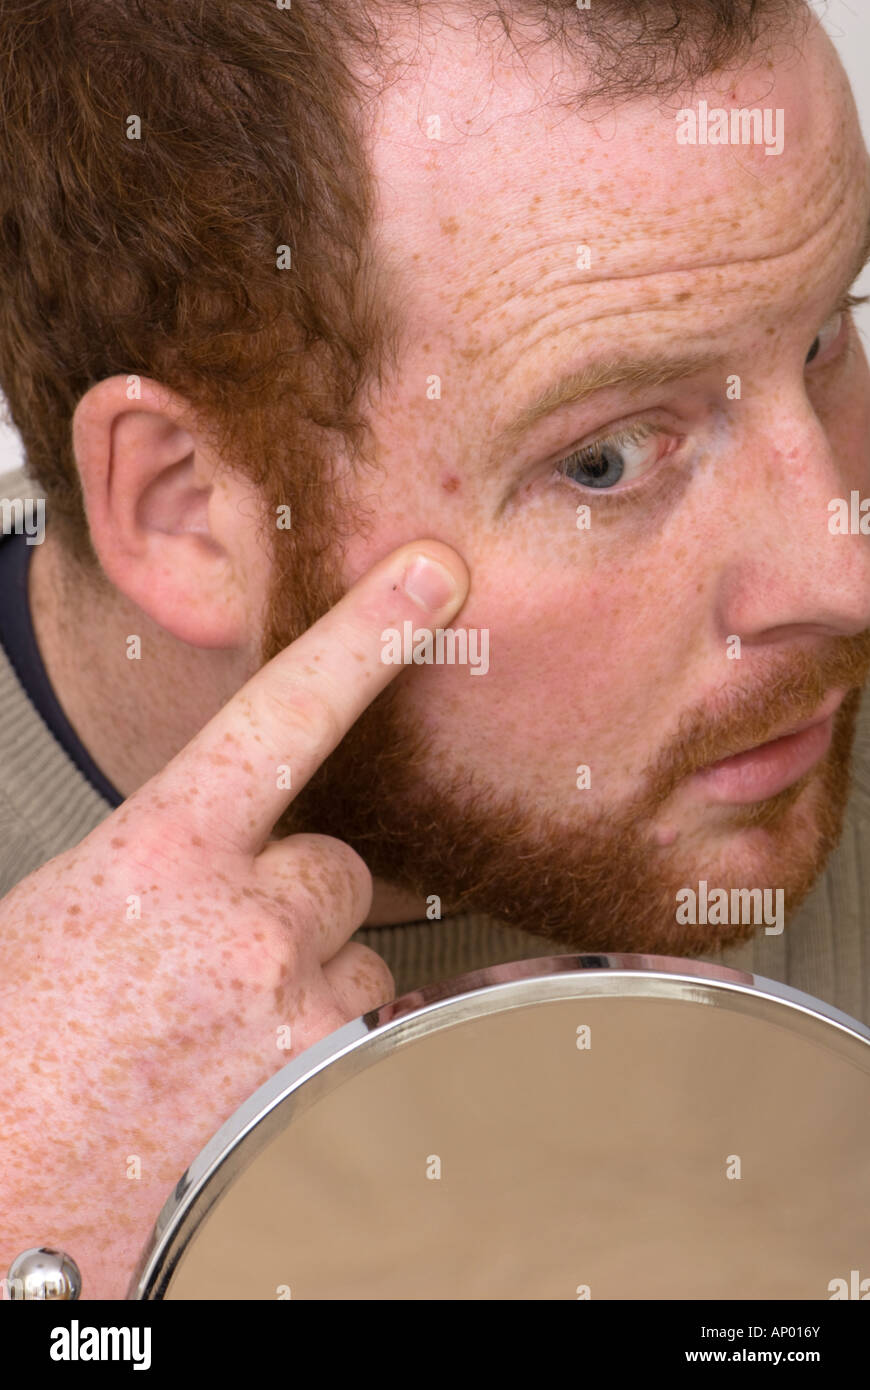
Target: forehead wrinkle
<point>804,248</point>
<point>863,254</point>
<point>478,314</point>
<point>583,206</point>
<point>650,370</point>
<point>537,285</point>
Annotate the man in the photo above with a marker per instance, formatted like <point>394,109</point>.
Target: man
<point>285,293</point>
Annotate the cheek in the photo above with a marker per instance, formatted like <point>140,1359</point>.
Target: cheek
<point>579,652</point>
<point>396,519</point>
<point>569,673</point>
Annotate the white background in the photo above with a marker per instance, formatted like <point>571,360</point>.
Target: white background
<point>848,23</point>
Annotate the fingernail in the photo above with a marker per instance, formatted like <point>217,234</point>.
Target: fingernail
<point>429,584</point>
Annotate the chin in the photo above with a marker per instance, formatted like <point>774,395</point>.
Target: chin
<point>781,844</point>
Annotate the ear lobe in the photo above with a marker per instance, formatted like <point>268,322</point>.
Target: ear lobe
<point>157,522</point>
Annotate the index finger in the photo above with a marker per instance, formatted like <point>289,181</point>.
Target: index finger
<point>249,761</point>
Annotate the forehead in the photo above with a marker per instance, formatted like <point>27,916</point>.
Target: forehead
<point>482,227</point>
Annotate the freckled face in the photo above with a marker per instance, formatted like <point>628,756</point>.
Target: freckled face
<point>612,629</point>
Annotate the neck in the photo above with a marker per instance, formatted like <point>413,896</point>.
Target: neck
<point>131,714</point>
<point>127,711</point>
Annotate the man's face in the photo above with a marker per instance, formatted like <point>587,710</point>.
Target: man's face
<point>611,634</point>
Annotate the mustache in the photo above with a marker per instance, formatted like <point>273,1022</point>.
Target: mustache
<point>785,693</point>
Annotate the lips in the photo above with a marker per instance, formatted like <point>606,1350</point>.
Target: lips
<point>826,711</point>
<point>765,769</point>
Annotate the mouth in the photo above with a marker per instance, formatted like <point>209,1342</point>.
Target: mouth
<point>759,772</point>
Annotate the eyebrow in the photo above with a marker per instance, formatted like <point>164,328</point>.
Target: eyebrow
<point>638,372</point>
<point>577,386</point>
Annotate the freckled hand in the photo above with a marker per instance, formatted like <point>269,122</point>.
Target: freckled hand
<point>181,954</point>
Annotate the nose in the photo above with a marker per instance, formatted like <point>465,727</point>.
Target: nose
<point>789,572</point>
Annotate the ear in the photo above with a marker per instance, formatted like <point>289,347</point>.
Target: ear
<point>173,530</point>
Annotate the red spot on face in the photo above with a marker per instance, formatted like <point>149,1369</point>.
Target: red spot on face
<point>450,483</point>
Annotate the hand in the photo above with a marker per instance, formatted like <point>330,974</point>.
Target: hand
<point>128,1040</point>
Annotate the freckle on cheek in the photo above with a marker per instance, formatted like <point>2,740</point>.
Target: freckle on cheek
<point>451,483</point>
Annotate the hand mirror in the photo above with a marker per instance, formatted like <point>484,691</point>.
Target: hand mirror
<point>606,1127</point>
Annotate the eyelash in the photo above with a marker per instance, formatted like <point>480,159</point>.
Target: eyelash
<point>637,433</point>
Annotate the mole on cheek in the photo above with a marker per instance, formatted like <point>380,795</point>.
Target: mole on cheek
<point>451,483</point>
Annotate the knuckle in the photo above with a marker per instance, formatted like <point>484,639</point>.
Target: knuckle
<point>342,855</point>
<point>144,841</point>
<point>304,718</point>
<point>328,875</point>
<point>372,974</point>
<point>271,956</point>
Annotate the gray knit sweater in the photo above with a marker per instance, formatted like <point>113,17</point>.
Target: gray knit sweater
<point>47,805</point>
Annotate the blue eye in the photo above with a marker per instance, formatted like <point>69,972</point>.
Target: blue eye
<point>604,463</point>
<point>600,466</point>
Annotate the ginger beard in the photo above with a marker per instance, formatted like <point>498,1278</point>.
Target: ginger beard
<point>588,880</point>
